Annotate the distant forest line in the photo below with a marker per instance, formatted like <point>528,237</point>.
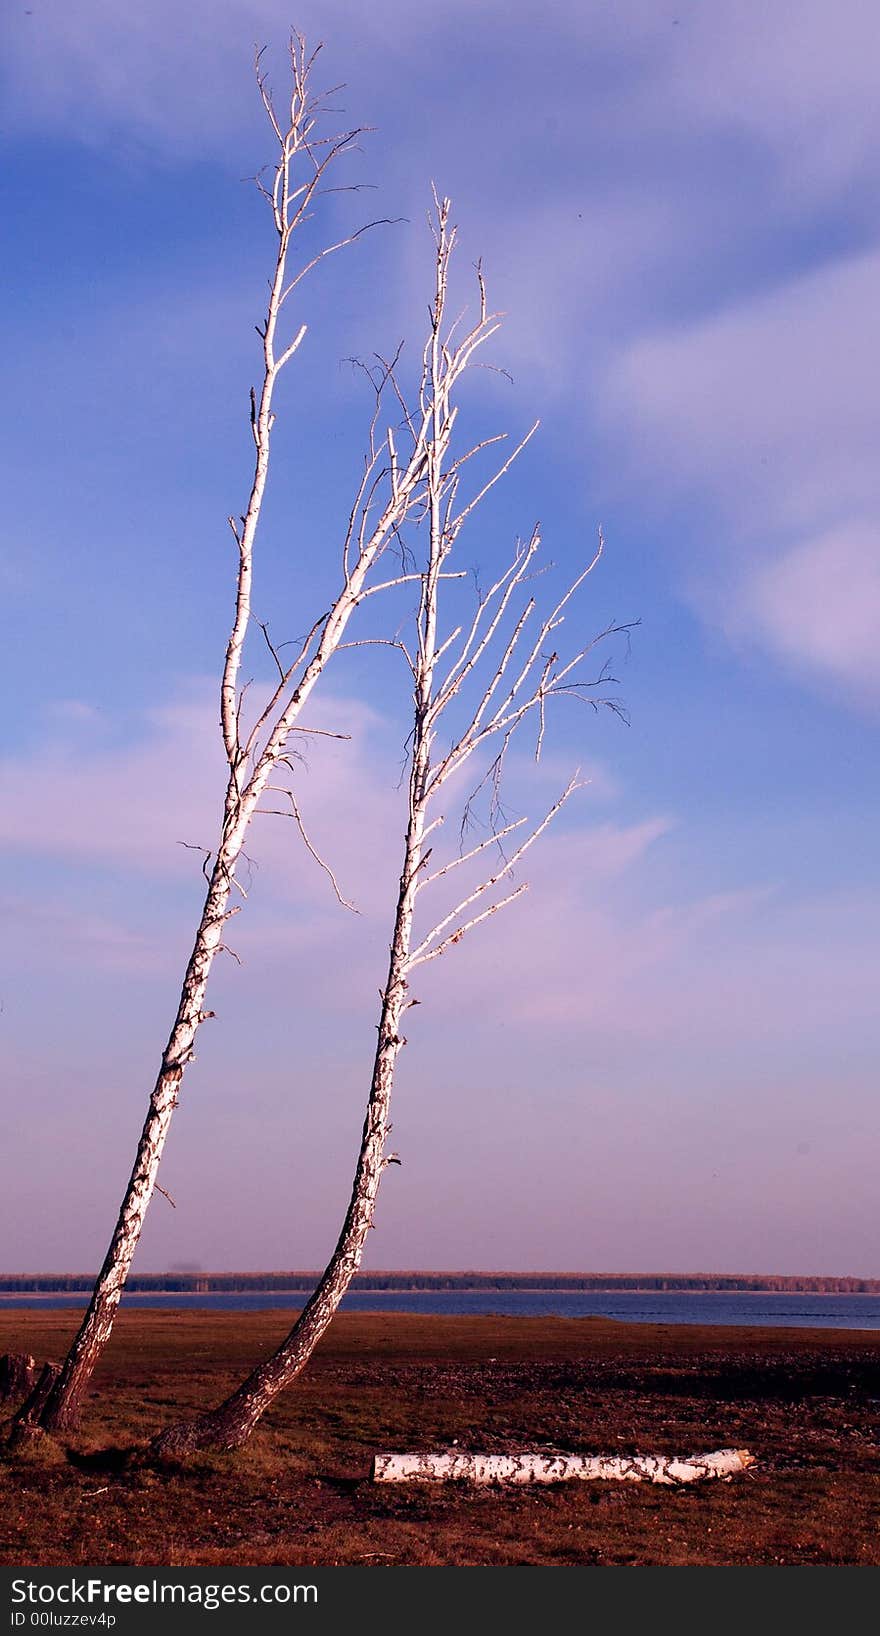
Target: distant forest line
<point>203,1283</point>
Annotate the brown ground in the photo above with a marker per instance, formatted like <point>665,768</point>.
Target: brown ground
<point>805,1402</point>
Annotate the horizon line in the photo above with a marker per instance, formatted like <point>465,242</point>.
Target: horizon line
<point>194,1271</point>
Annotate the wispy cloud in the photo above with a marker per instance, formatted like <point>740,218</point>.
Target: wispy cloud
<point>766,413</point>
<point>137,800</point>
<point>767,406</point>
<point>819,606</point>
<point>140,804</point>
<point>609,939</point>
<point>764,409</point>
<point>624,1009</point>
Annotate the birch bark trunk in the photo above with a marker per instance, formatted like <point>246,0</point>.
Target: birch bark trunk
<point>250,765</point>
<point>232,1422</point>
<point>62,1406</point>
<point>509,1470</point>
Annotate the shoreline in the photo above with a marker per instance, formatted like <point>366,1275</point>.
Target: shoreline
<point>787,1313</point>
<point>9,1297</point>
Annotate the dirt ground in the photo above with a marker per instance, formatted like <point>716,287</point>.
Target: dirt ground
<point>806,1403</point>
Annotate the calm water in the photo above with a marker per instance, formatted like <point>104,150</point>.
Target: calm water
<point>660,1307</point>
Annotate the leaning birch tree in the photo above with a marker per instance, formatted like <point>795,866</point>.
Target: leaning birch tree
<point>392,484</point>
<point>505,662</point>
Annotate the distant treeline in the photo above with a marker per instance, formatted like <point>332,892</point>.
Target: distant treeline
<point>203,1283</point>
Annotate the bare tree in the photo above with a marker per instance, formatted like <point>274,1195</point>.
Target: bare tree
<point>392,484</point>
<point>504,660</point>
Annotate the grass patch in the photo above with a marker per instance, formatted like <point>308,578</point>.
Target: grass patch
<point>804,1401</point>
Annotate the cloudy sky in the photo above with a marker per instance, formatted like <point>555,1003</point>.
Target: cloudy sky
<point>665,1055</point>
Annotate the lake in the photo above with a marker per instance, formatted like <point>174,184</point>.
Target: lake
<point>629,1306</point>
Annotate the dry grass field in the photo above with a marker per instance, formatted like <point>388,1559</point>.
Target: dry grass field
<point>805,1402</point>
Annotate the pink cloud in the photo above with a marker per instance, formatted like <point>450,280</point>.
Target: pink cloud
<point>819,605</point>
<point>767,412</point>
<point>620,1017</point>
<point>138,805</point>
<point>769,405</point>
<point>604,942</point>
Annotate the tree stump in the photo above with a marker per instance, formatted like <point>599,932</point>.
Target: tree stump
<point>26,1427</point>
<point>18,1375</point>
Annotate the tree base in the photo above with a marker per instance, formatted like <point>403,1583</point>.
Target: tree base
<point>206,1434</point>
<point>26,1437</point>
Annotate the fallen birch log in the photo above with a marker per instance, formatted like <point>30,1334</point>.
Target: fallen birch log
<point>558,1468</point>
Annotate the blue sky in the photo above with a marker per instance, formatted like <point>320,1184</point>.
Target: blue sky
<point>665,1055</point>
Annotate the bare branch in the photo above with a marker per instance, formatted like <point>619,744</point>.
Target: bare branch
<point>287,674</point>
<point>406,579</point>
<point>206,852</point>
<point>265,630</point>
<point>470,656</point>
<point>464,857</point>
<point>319,732</point>
<point>466,926</point>
<point>379,642</point>
<point>330,250</point>
<point>296,815</point>
<point>459,521</point>
<point>424,951</point>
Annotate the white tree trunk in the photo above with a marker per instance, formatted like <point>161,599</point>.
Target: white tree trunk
<point>509,1469</point>
<point>522,685</point>
<point>61,1407</point>
<point>231,1424</point>
<point>252,763</point>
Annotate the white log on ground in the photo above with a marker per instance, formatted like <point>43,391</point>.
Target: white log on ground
<point>505,1469</point>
